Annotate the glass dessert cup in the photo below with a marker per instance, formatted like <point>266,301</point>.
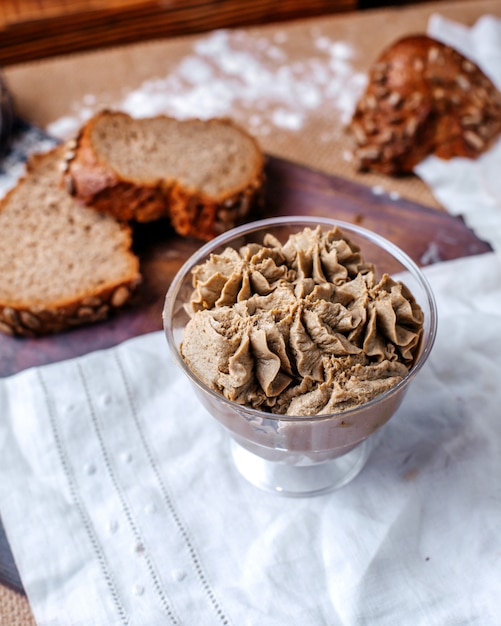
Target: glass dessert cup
<point>302,455</point>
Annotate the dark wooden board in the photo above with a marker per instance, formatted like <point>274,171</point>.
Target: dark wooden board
<point>291,190</point>
<point>422,232</point>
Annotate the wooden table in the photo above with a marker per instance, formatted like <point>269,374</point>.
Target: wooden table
<point>32,30</point>
<point>307,170</point>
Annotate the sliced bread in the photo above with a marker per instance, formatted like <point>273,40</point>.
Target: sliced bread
<point>203,175</point>
<point>61,264</point>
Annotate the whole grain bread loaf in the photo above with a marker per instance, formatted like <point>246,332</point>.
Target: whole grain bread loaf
<point>203,175</point>
<point>61,264</point>
<point>423,97</point>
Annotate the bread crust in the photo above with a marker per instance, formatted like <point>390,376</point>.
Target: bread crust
<point>33,319</point>
<point>192,213</point>
<point>423,97</point>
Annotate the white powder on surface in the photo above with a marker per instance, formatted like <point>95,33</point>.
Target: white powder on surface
<point>253,79</point>
<point>431,255</point>
<point>12,166</point>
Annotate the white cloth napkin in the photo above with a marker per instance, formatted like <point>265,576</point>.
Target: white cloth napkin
<point>466,187</point>
<point>121,504</point>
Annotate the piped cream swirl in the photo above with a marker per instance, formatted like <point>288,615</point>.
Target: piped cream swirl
<point>302,328</point>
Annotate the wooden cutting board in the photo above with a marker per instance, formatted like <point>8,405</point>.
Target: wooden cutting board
<point>426,234</point>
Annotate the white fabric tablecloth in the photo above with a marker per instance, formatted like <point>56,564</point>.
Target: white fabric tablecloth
<point>122,507</point>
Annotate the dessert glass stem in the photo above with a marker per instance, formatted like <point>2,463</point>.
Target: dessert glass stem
<point>301,480</point>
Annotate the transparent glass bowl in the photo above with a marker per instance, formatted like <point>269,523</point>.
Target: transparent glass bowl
<point>301,455</point>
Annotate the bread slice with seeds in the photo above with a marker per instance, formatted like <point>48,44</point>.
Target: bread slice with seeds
<point>205,175</point>
<point>61,264</point>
